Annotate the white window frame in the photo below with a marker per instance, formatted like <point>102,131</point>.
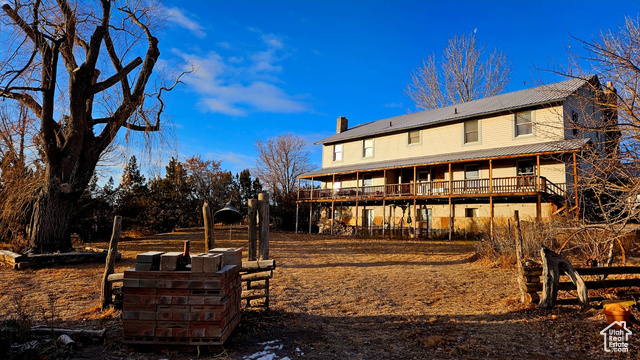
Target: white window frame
<point>465,171</point>
<point>464,133</point>
<point>518,167</point>
<point>409,143</point>
<point>517,135</point>
<point>336,152</point>
<point>364,148</point>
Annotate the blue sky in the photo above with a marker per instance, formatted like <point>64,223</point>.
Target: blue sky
<point>264,68</point>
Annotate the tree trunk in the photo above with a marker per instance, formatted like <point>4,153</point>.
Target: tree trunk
<point>50,228</point>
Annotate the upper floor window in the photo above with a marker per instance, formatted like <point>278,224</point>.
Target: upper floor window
<point>524,125</point>
<point>526,168</point>
<point>471,133</point>
<point>414,137</point>
<point>367,148</point>
<point>574,122</point>
<point>471,172</point>
<point>337,152</point>
<point>367,180</point>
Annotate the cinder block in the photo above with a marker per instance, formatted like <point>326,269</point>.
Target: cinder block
<point>212,263</point>
<point>197,263</point>
<point>169,261</point>
<point>148,261</point>
<point>231,256</point>
<point>150,256</point>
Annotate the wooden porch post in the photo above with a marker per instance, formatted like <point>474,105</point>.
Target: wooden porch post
<point>333,196</point>
<point>356,232</point>
<point>539,208</point>
<point>538,173</point>
<point>491,198</point>
<point>297,214</point>
<point>311,205</point>
<point>575,183</point>
<point>298,206</point>
<point>415,192</point>
<point>415,219</point>
<point>384,181</point>
<point>310,216</point>
<point>384,214</point>
<point>450,204</point>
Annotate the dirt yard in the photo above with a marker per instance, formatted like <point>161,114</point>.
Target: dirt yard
<point>338,298</point>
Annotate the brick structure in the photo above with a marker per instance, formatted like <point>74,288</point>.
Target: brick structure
<point>199,307</point>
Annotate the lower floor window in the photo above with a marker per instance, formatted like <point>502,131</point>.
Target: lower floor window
<point>471,212</point>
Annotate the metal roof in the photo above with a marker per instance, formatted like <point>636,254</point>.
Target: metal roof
<point>508,151</point>
<point>540,95</point>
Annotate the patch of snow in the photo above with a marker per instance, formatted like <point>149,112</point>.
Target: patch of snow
<point>276,347</point>
<point>269,342</point>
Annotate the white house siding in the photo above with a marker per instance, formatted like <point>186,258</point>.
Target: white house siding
<point>496,131</point>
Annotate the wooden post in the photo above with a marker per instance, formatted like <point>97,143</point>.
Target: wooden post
<point>384,215</point>
<point>263,205</point>
<point>575,184</point>
<point>253,229</point>
<point>105,294</point>
<point>539,208</point>
<point>538,173</point>
<point>333,196</point>
<point>552,263</point>
<point>520,258</point>
<point>450,203</point>
<point>333,214</point>
<point>310,216</point>
<point>209,239</point>
<point>356,217</point>
<point>415,220</point>
<point>297,214</point>
<point>298,206</point>
<point>491,230</point>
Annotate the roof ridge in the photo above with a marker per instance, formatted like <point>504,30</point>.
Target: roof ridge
<point>488,105</point>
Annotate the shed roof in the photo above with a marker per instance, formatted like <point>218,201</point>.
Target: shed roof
<point>507,151</point>
<point>540,95</point>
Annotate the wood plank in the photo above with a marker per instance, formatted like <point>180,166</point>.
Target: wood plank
<point>256,285</point>
<point>117,277</point>
<point>257,276</point>
<point>603,270</point>
<point>261,265</point>
<point>254,294</point>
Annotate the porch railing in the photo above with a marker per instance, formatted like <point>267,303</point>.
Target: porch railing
<point>504,185</point>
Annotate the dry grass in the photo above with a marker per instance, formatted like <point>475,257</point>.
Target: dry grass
<point>337,298</point>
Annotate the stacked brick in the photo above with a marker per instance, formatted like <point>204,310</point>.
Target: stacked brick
<point>199,306</point>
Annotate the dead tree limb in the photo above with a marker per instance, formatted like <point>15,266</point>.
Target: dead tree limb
<point>552,263</point>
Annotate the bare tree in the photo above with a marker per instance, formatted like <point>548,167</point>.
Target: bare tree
<point>280,161</point>
<point>464,74</point>
<point>74,66</point>
<point>609,115</point>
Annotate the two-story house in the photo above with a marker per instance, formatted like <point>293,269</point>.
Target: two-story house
<point>453,167</point>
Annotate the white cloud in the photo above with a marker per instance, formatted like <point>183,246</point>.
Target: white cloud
<point>234,161</point>
<point>242,84</point>
<point>178,17</point>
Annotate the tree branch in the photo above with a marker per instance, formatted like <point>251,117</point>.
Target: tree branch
<point>101,86</point>
<point>96,39</point>
<point>70,35</point>
<point>26,100</point>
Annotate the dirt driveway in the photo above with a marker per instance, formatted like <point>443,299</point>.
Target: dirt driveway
<point>344,298</point>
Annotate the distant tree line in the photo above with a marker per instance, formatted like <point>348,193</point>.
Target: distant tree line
<point>162,204</point>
